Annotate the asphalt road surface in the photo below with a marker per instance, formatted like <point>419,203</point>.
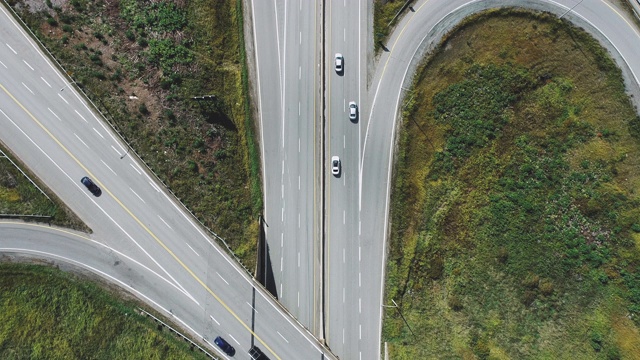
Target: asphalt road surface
<point>412,38</point>
<point>346,34</point>
<point>49,126</point>
<point>170,261</point>
<point>287,72</point>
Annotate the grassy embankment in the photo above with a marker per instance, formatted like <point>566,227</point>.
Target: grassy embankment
<point>19,197</point>
<point>141,62</point>
<point>516,216</point>
<point>383,14</point>
<point>47,314</point>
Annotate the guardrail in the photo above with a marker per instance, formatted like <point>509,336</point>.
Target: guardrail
<point>183,336</point>
<point>24,216</point>
<point>24,174</point>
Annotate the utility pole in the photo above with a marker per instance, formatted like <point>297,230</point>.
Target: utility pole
<point>573,7</point>
<point>402,316</point>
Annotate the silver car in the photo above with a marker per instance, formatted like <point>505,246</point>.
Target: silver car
<point>353,110</point>
<point>339,61</point>
<point>335,165</point>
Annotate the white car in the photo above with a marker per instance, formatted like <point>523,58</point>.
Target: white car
<point>339,61</point>
<point>353,110</point>
<point>335,165</point>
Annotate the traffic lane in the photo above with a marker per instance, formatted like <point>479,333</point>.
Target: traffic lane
<point>270,101</point>
<point>72,167</point>
<point>305,237</point>
<point>74,252</point>
<point>335,269</point>
<point>343,245</point>
<point>298,95</point>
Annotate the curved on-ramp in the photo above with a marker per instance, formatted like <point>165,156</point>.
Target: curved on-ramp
<point>418,33</point>
<point>414,37</point>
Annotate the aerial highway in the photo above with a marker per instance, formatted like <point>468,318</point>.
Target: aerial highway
<point>144,240</point>
<point>287,72</point>
<point>50,127</point>
<point>346,30</point>
<point>416,34</point>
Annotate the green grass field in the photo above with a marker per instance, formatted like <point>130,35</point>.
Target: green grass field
<point>18,196</point>
<point>48,314</point>
<point>516,215</point>
<point>141,62</point>
<point>384,12</point>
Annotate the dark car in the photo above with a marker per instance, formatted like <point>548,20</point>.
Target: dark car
<point>95,190</point>
<point>257,354</point>
<point>225,346</point>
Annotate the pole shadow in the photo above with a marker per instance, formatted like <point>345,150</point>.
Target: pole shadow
<point>264,273</point>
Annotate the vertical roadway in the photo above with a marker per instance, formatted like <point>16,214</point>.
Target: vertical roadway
<point>50,127</point>
<point>343,285</point>
<point>287,66</point>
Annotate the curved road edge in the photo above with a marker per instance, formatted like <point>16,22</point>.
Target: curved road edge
<point>577,15</point>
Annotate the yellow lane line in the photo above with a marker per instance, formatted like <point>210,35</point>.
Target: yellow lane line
<point>139,222</point>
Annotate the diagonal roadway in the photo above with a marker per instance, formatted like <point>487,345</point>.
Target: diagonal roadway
<point>353,329</point>
<point>49,126</point>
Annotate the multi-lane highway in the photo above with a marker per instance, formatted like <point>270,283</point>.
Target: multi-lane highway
<point>51,128</point>
<point>346,34</point>
<point>326,234</point>
<point>287,73</point>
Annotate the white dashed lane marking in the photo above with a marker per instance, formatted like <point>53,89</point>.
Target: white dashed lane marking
<point>25,61</point>
<point>84,143</point>
<point>23,84</point>
<point>45,81</point>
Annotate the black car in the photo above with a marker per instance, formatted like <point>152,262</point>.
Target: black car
<point>257,354</point>
<point>225,346</point>
<point>95,190</point>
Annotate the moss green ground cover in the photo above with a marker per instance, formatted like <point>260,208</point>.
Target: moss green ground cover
<point>516,215</point>
<point>384,12</point>
<point>18,196</point>
<point>47,314</point>
<point>141,62</point>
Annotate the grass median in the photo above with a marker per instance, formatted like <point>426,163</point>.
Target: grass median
<point>515,219</point>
